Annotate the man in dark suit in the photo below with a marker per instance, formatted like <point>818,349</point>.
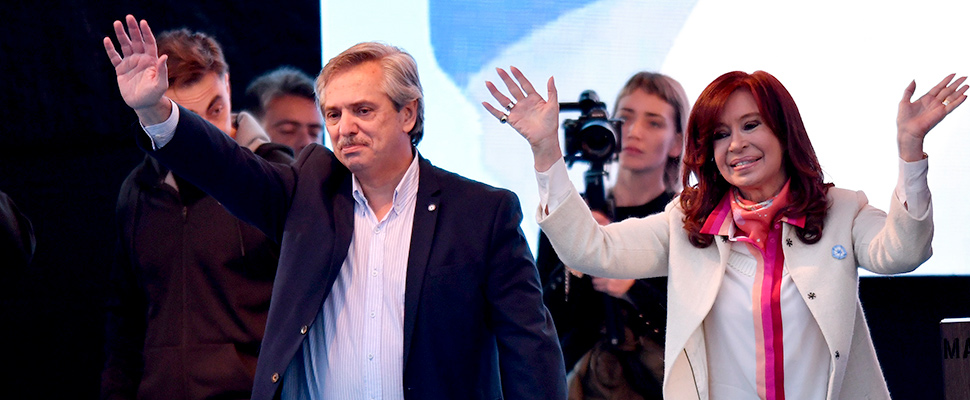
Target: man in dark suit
<point>396,279</point>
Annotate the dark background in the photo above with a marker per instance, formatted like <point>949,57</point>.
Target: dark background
<point>66,146</point>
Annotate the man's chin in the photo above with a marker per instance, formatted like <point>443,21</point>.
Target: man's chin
<point>352,162</point>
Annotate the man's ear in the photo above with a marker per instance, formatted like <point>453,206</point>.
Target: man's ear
<point>409,113</point>
<point>228,86</point>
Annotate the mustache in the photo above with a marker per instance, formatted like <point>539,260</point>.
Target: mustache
<point>352,141</point>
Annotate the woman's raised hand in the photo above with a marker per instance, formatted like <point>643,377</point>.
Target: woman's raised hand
<point>535,118</point>
<point>916,118</point>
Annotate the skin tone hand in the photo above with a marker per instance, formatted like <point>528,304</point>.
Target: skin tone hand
<point>142,74</point>
<point>535,118</point>
<point>613,287</point>
<point>915,119</point>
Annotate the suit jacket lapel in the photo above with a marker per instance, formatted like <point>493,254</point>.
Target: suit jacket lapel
<point>422,236</point>
<point>343,211</point>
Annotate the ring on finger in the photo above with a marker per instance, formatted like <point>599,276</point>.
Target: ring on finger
<point>504,118</point>
<point>510,105</point>
<point>946,102</point>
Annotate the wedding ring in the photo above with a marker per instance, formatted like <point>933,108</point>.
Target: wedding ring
<point>509,107</point>
<point>946,102</point>
<point>504,118</point>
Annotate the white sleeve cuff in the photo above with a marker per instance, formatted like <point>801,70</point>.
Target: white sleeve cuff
<point>912,189</point>
<point>554,186</point>
<point>161,134</point>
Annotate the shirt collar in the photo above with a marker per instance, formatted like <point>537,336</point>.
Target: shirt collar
<point>406,190</point>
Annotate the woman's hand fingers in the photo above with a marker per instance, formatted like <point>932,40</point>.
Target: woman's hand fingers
<point>953,94</point>
<point>498,114</point>
<point>514,89</point>
<point>939,86</point>
<point>502,99</point>
<point>526,85</point>
<point>957,98</point>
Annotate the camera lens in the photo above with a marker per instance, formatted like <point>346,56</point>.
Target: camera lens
<point>598,141</point>
<point>592,137</point>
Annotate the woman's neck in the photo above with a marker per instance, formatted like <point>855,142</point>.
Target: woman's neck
<point>637,188</point>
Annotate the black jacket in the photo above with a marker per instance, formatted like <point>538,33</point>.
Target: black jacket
<point>581,314</point>
<point>189,291</point>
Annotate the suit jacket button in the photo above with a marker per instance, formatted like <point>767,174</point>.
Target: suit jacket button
<point>276,377</point>
<point>836,355</point>
<point>304,329</point>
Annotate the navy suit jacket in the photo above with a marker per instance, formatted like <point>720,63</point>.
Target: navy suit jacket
<point>475,326</point>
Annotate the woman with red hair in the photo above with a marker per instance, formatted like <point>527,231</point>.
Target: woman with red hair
<point>761,254</point>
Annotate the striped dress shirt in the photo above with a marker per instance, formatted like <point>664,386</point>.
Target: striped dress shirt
<point>355,349</point>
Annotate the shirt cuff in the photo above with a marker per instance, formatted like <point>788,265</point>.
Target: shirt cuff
<point>554,186</point>
<point>161,134</point>
<point>912,189</point>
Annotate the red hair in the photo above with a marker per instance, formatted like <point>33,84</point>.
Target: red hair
<point>807,189</point>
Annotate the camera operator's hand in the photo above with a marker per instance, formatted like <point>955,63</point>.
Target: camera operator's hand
<point>574,272</point>
<point>613,287</point>
<point>536,119</point>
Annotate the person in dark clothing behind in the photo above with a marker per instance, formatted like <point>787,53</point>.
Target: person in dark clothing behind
<point>17,241</point>
<point>612,330</point>
<point>191,284</point>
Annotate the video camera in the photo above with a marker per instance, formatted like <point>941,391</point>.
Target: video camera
<point>593,138</point>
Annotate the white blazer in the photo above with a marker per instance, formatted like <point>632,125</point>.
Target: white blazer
<point>658,245</point>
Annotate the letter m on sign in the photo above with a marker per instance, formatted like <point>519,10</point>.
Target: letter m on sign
<point>955,333</point>
<point>951,352</point>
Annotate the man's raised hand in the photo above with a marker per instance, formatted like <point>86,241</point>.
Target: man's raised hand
<point>142,74</point>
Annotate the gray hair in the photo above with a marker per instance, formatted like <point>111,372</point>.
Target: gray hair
<point>283,81</point>
<point>400,82</point>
